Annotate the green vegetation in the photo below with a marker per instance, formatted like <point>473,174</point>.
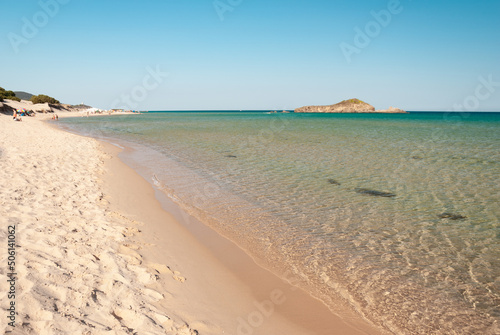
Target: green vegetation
<point>81,106</point>
<point>36,99</point>
<point>42,98</point>
<point>354,101</point>
<point>8,95</point>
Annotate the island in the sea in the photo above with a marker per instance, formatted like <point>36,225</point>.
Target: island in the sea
<point>347,106</point>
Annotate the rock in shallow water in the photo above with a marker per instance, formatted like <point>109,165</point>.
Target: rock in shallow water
<point>333,182</point>
<point>374,193</point>
<point>452,216</point>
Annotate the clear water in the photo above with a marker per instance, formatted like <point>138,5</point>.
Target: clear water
<point>286,187</point>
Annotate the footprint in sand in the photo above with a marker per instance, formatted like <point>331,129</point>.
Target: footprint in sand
<point>164,269</point>
<point>186,330</point>
<point>130,231</point>
<point>132,246</point>
<point>124,218</point>
<point>178,277</point>
<point>132,256</point>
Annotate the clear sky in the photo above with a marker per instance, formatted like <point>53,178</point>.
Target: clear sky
<point>254,54</point>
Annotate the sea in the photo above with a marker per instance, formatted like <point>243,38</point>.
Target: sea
<point>396,215</point>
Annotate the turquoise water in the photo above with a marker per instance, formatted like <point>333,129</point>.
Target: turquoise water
<point>297,192</point>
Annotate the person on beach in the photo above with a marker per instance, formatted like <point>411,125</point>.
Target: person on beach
<point>16,117</point>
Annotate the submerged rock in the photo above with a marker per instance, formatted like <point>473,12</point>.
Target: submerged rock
<point>452,216</point>
<point>333,182</point>
<point>374,193</point>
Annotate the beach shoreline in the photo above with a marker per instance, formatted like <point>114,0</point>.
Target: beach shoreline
<point>183,285</point>
<point>306,313</point>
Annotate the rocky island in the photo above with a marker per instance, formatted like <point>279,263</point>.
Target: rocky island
<point>347,106</point>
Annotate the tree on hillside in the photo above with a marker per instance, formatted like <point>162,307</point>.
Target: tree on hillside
<point>42,98</point>
<point>8,95</point>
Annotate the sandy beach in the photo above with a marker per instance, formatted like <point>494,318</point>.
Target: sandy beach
<point>249,168</point>
<point>96,253</point>
<point>77,270</point>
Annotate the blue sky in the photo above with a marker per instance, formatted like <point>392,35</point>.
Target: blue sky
<point>254,54</point>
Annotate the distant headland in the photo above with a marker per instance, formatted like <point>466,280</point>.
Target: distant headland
<point>347,106</point>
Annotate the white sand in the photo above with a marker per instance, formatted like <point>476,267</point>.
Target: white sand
<point>76,272</point>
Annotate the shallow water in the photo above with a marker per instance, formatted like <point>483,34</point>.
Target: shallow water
<point>299,192</point>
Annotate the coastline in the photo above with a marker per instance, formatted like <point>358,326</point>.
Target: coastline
<point>300,312</point>
<point>184,285</point>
